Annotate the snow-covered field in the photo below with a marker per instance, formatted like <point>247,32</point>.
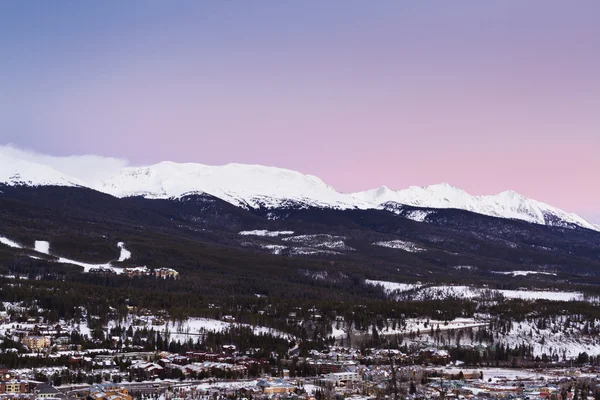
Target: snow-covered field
<point>552,340</point>
<point>266,233</point>
<point>192,327</point>
<point>523,273</point>
<point>419,325</point>
<point>417,215</point>
<point>321,241</point>
<point>470,292</point>
<point>401,245</point>
<point>41,246</point>
<point>10,243</point>
<point>125,254</point>
<point>391,287</point>
<point>274,248</point>
<point>424,325</point>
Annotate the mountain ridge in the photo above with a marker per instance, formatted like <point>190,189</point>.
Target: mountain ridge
<point>256,186</point>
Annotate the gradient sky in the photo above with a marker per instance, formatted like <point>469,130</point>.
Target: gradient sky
<point>485,95</point>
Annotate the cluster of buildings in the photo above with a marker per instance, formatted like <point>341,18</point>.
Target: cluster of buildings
<point>33,335</point>
<point>13,387</point>
<point>108,391</point>
<point>138,272</point>
<point>162,273</point>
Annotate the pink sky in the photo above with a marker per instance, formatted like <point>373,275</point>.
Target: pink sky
<point>487,96</point>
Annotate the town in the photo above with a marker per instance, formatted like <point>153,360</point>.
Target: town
<point>141,358</point>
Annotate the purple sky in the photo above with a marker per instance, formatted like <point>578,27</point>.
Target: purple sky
<point>485,95</point>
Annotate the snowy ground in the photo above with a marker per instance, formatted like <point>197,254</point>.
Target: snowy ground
<point>194,327</point>
<point>401,245</point>
<point>441,292</point>
<point>424,325</point>
<point>265,233</point>
<point>553,340</point>
<point>417,215</point>
<point>125,254</point>
<point>41,246</point>
<point>391,287</point>
<point>320,241</point>
<point>10,243</point>
<point>523,273</point>
<point>419,325</point>
<point>471,292</point>
<point>302,245</point>
<point>274,248</point>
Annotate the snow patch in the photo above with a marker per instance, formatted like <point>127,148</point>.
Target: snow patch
<point>10,243</point>
<point>470,292</point>
<point>400,245</point>
<point>125,254</point>
<point>320,241</point>
<point>394,287</point>
<point>41,246</point>
<point>274,248</point>
<point>417,215</point>
<point>265,233</point>
<point>523,273</point>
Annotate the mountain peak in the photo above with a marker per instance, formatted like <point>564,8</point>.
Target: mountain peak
<point>15,171</point>
<point>260,186</point>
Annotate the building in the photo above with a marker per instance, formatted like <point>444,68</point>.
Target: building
<point>147,370</point>
<point>165,273</point>
<point>46,391</point>
<point>108,391</point>
<point>275,386</point>
<point>431,355</point>
<point>14,387</point>
<point>36,342</point>
<point>134,272</point>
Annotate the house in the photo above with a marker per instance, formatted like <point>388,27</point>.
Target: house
<point>434,356</point>
<point>108,391</point>
<point>47,391</point>
<point>134,272</point>
<point>14,387</point>
<point>36,342</point>
<point>275,386</point>
<point>165,273</point>
<point>147,370</point>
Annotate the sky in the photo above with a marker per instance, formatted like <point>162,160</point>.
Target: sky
<point>485,95</point>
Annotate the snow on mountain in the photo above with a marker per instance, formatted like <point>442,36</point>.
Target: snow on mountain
<point>242,185</point>
<point>254,186</point>
<point>507,204</point>
<point>14,171</point>
<point>10,243</point>
<point>42,246</point>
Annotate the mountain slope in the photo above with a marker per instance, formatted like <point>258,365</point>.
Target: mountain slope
<point>507,204</point>
<point>15,171</point>
<point>242,185</point>
<point>260,187</point>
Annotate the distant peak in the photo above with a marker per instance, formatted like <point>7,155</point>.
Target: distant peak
<point>511,195</point>
<point>381,190</point>
<point>444,186</point>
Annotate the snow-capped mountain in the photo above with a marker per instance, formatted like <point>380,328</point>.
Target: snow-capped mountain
<point>14,171</point>
<point>254,186</point>
<point>242,185</point>
<point>507,204</point>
